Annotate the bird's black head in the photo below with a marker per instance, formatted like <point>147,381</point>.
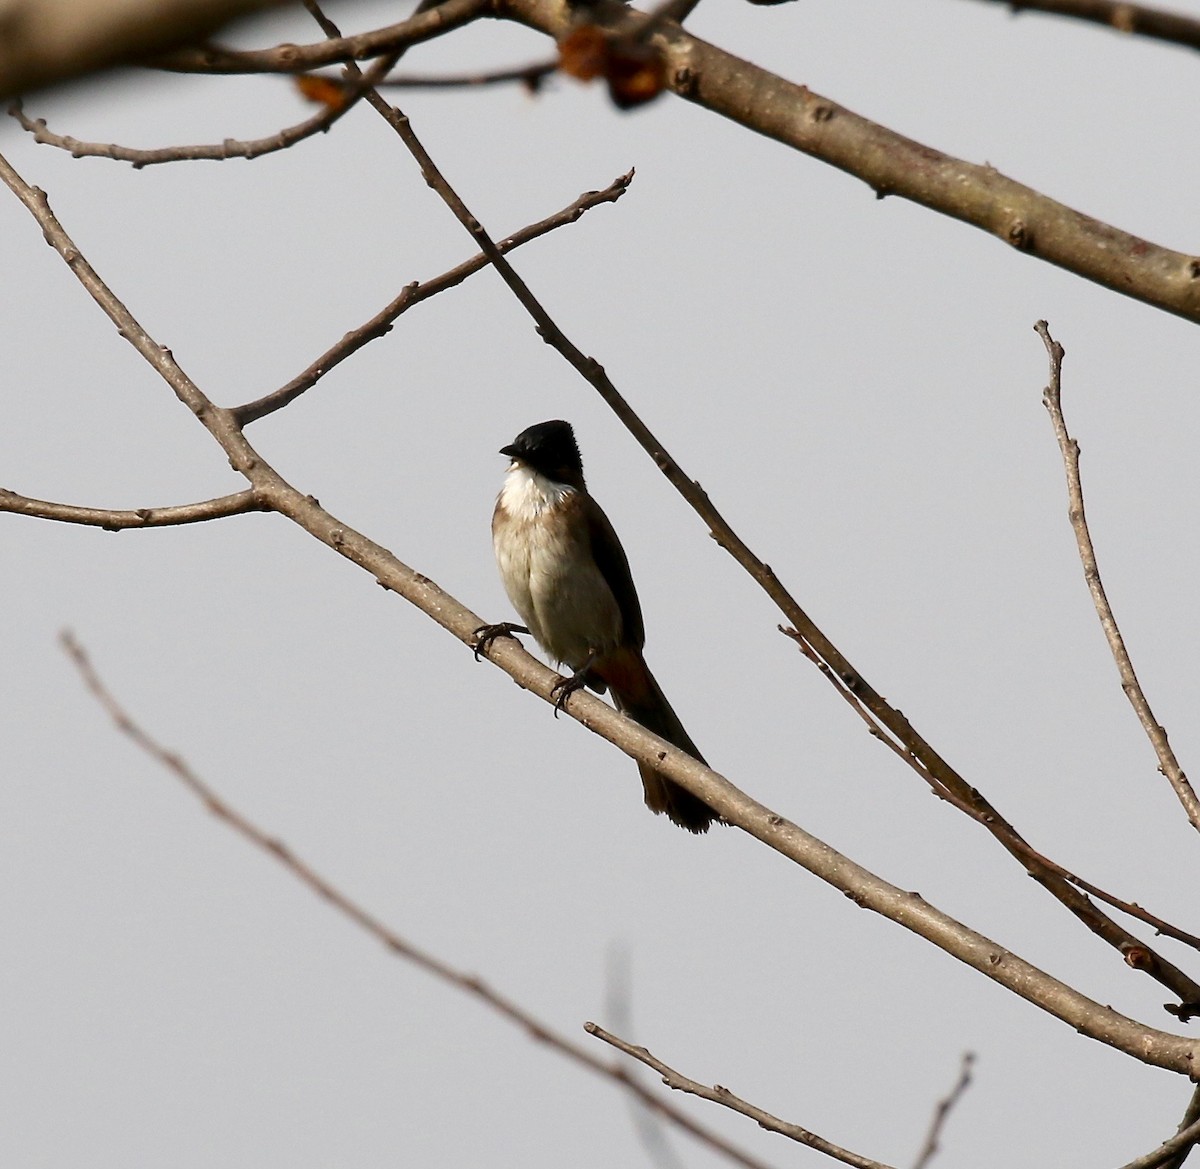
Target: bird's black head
<point>550,449</point>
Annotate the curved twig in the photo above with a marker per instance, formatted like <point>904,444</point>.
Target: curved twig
<point>1155,732</point>
<point>215,151</point>
<point>112,520</point>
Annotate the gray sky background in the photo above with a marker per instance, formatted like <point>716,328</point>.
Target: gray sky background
<point>857,385</point>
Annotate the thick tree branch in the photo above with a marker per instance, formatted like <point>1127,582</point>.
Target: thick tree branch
<point>908,909</point>
<point>414,293</point>
<point>723,1096</point>
<point>1155,732</point>
<point>143,517</point>
<point>469,984</point>
<point>1156,23</point>
<point>894,165</point>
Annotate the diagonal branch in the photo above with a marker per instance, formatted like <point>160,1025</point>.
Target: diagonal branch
<point>112,520</point>
<point>942,1112</point>
<point>414,293</point>
<point>979,811</point>
<point>894,165</point>
<point>424,25</point>
<point>1149,1045</point>
<point>468,983</point>
<point>1140,19</point>
<point>723,1096</point>
<point>1155,732</point>
<point>1191,1116</point>
<point>1170,1152</point>
<point>1137,954</point>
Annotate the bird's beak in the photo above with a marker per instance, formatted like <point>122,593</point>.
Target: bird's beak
<point>509,450</point>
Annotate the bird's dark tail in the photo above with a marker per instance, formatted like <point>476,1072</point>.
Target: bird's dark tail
<point>636,692</point>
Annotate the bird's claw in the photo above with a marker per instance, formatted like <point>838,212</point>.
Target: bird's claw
<point>483,637</point>
<point>563,690</point>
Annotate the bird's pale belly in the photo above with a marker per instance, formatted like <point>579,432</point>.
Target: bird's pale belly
<point>559,593</point>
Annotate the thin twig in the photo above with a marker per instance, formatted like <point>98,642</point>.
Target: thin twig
<point>723,1096</point>
<point>1190,1116</point>
<point>470,984</point>
<point>531,76</point>
<point>1168,1153</point>
<point>414,293</point>
<point>942,1112</point>
<point>1149,1045</point>
<point>1152,963</point>
<point>425,24</point>
<point>217,151</point>
<point>1155,732</point>
<point>1140,19</point>
<point>112,520</point>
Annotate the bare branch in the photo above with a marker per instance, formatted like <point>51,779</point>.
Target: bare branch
<point>1155,732</point>
<point>1156,23</point>
<point>216,151</point>
<point>470,984</point>
<point>143,517</point>
<point>942,1112</point>
<point>530,76</point>
<point>1149,1045</point>
<point>424,25</point>
<point>382,322</point>
<point>894,165</point>
<point>723,1096</point>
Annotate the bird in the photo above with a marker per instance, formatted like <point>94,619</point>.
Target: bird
<point>568,578</point>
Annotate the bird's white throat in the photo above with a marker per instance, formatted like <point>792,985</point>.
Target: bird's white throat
<point>527,493</point>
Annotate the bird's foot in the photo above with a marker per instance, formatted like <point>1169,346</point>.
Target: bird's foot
<point>483,637</point>
<point>563,690</point>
